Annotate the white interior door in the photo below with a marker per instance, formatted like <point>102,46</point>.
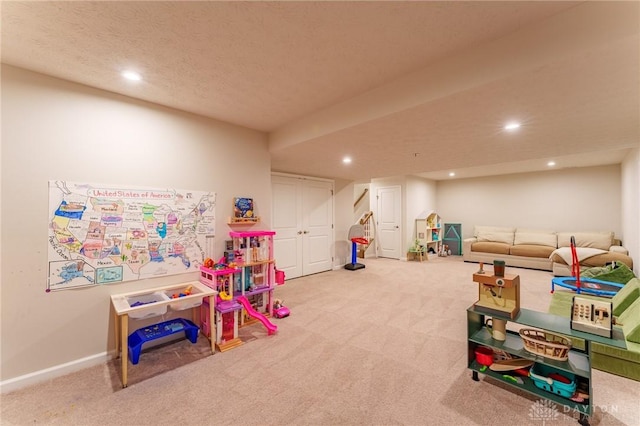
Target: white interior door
<point>389,203</point>
<point>303,222</point>
<point>287,210</point>
<point>317,224</point>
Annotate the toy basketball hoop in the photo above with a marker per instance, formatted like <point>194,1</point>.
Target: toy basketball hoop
<point>356,236</point>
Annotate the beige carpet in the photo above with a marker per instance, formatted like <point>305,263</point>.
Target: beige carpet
<point>381,346</point>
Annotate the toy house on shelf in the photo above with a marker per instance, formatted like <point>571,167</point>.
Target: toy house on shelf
<point>429,232</point>
<point>245,287</point>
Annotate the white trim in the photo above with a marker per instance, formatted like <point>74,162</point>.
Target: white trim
<point>302,177</point>
<point>53,372</point>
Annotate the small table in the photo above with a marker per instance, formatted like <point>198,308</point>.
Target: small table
<point>417,254</point>
<point>122,310</point>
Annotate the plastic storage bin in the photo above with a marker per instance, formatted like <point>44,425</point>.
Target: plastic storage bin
<point>157,331</point>
<point>148,301</point>
<point>553,380</point>
<point>177,304</point>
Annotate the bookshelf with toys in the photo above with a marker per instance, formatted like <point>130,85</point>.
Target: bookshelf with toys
<point>429,232</point>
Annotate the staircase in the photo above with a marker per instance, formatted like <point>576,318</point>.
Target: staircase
<point>366,220</point>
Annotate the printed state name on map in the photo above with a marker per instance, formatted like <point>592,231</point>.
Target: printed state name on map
<point>107,233</point>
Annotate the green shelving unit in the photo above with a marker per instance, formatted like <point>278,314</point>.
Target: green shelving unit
<point>578,364</point>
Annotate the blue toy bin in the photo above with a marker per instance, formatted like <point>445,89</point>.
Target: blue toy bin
<point>542,377</point>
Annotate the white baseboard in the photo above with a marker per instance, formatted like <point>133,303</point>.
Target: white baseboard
<point>20,382</point>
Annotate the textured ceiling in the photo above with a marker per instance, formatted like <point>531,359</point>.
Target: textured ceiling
<point>393,84</point>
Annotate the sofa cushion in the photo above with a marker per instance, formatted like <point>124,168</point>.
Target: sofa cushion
<point>630,321</point>
<point>532,237</point>
<point>599,240</point>
<point>490,247</point>
<point>616,272</point>
<point>530,250</point>
<point>599,259</point>
<point>494,234</point>
<point>626,296</point>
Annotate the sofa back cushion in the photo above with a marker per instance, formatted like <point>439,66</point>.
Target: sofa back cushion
<point>535,238</point>
<point>626,296</point>
<point>630,320</point>
<point>599,240</point>
<point>495,234</point>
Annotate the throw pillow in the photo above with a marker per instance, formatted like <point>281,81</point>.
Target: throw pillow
<point>599,240</point>
<point>616,273</point>
<point>535,238</point>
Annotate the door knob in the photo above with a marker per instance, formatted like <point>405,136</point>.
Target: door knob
<point>306,232</point>
<point>299,232</point>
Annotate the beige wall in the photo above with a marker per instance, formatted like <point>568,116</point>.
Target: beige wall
<point>578,199</point>
<point>344,218</point>
<point>631,206</point>
<point>56,130</point>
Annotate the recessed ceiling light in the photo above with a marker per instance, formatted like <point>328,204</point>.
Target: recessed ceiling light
<point>452,174</point>
<point>346,160</point>
<point>551,163</point>
<point>131,75</point>
<point>512,126</point>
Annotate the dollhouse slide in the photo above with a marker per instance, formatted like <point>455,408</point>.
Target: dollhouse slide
<point>271,328</point>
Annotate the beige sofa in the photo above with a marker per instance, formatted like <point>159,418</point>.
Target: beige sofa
<point>539,249</point>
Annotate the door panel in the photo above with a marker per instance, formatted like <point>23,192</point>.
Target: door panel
<point>287,242</point>
<point>317,221</point>
<point>389,220</point>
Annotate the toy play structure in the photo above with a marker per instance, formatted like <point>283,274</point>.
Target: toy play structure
<point>356,236</point>
<point>245,280</point>
<point>271,328</point>
<point>586,285</point>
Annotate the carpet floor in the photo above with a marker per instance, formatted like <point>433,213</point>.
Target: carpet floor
<point>385,345</point>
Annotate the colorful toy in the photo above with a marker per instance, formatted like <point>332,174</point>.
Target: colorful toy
<point>186,292</point>
<point>356,235</point>
<point>587,285</point>
<point>271,328</point>
<point>245,288</point>
<point>279,310</point>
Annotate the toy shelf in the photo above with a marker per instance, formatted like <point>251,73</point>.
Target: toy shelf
<point>578,363</point>
<point>257,290</point>
<point>242,220</point>
<point>254,263</point>
<point>228,306</point>
<point>429,231</point>
<point>152,302</point>
<point>529,387</point>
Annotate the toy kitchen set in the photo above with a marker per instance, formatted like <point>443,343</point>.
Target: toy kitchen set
<point>498,293</point>
<point>592,316</point>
